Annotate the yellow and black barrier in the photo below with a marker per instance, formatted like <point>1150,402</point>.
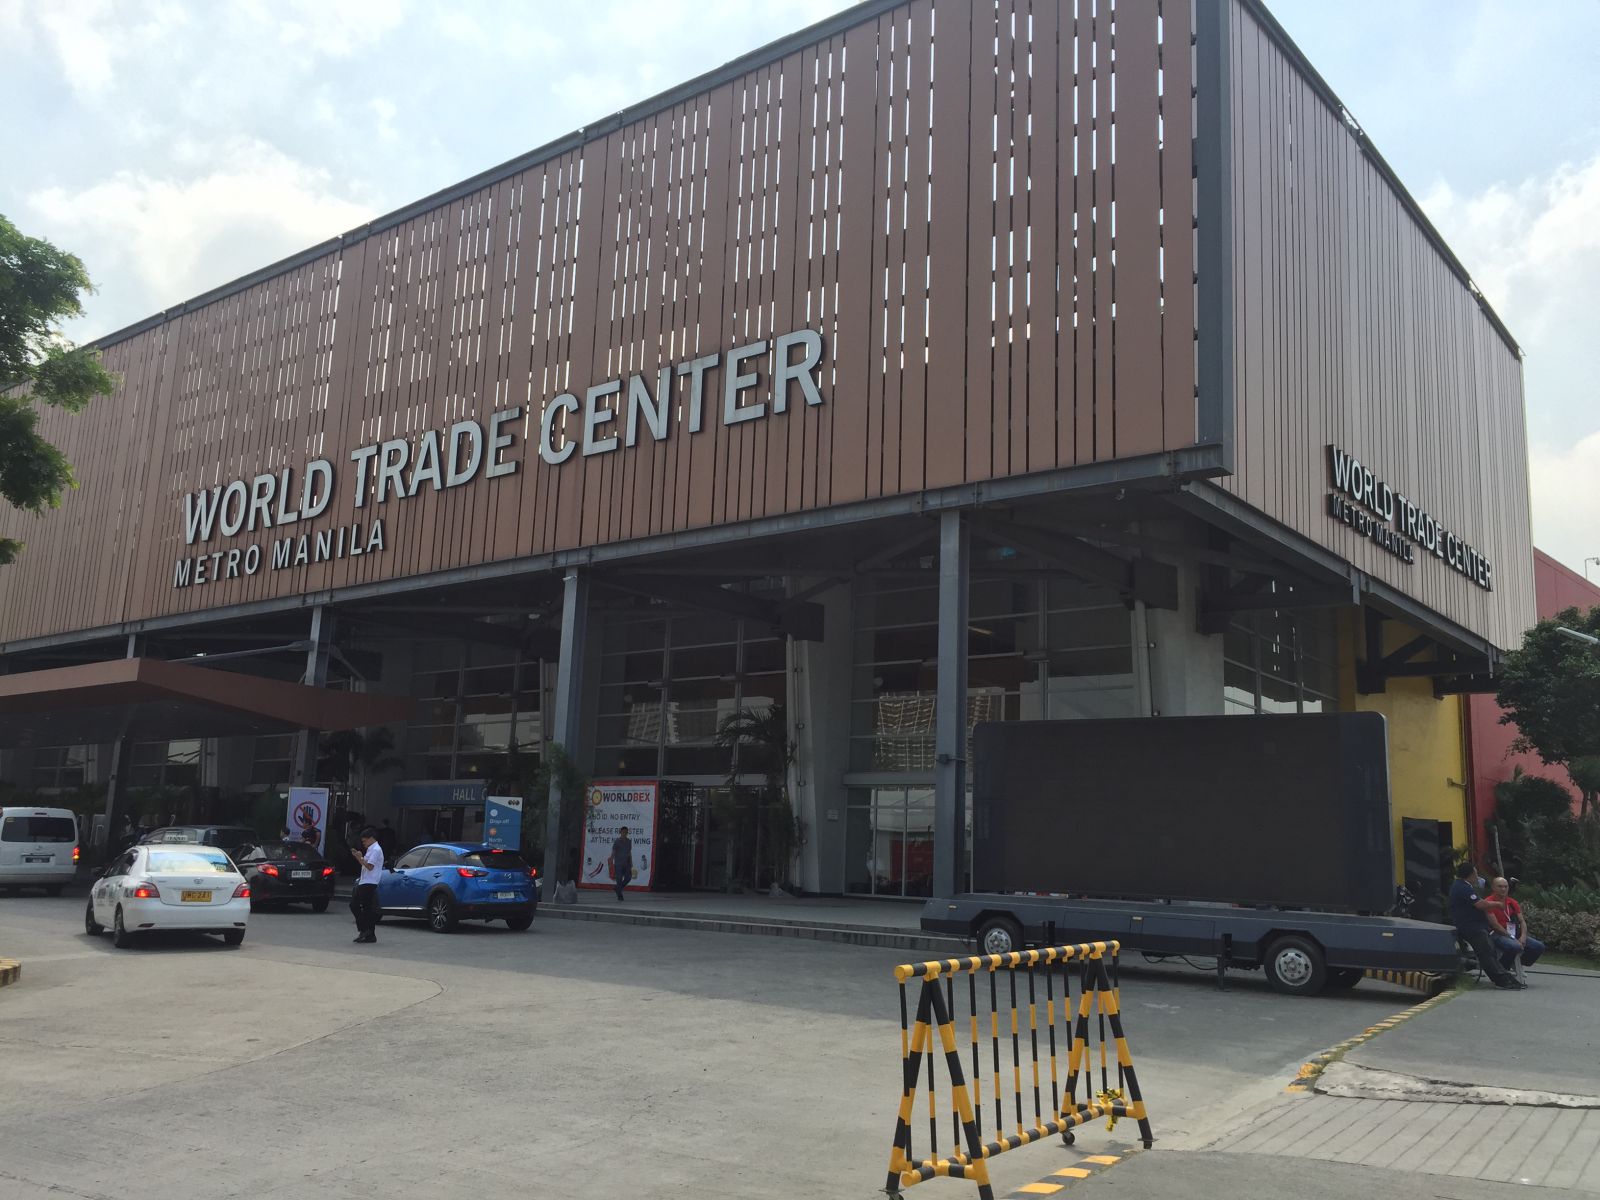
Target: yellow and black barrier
<point>1073,1100</point>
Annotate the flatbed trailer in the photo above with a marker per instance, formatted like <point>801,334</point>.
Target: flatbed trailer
<point>1302,952</point>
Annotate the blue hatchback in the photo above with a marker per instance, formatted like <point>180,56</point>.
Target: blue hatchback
<point>447,882</point>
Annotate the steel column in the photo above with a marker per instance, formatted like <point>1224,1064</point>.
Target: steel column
<point>567,724</point>
<point>304,773</point>
<point>950,708</point>
<point>121,756</point>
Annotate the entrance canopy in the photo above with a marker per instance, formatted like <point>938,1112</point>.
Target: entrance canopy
<point>149,699</point>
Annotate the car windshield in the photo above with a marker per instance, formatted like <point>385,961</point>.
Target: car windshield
<point>38,829</point>
<point>496,860</point>
<point>296,851</point>
<point>178,862</point>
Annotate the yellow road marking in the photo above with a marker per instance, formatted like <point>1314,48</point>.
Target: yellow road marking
<point>1040,1189</point>
<point>1104,1160</point>
<point>1070,1173</point>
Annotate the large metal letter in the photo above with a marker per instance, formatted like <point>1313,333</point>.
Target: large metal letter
<point>567,726</point>
<point>950,710</point>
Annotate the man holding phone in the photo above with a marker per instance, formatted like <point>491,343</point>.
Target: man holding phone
<point>364,897</point>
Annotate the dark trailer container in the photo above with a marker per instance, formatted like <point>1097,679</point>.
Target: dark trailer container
<point>1264,842</point>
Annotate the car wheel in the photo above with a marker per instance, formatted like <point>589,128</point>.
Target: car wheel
<point>120,937</point>
<point>520,923</point>
<point>441,913</point>
<point>90,926</point>
<point>319,906</point>
<point>54,889</point>
<point>1342,979</point>
<point>999,935</point>
<point>233,937</point>
<point>1295,966</point>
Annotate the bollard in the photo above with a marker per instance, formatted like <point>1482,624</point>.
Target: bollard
<point>1094,967</point>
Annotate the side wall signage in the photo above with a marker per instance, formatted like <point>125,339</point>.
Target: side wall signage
<point>611,416</point>
<point>1376,511</point>
<point>502,822</point>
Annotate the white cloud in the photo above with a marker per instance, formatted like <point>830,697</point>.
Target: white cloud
<point>175,237</point>
<point>1530,244</point>
<point>1534,249</point>
<point>1566,500</point>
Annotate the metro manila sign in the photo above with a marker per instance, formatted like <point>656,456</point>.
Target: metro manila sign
<point>610,416</point>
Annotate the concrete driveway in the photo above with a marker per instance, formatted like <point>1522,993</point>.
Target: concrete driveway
<point>576,1059</point>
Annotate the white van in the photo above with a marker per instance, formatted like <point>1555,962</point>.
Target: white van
<point>38,848</point>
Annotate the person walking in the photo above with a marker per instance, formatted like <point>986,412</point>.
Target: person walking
<point>364,896</point>
<point>621,861</point>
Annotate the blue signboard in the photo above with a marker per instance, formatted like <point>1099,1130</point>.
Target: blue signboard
<point>439,793</point>
<point>502,822</point>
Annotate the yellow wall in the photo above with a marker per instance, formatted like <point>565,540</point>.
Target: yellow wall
<point>1427,749</point>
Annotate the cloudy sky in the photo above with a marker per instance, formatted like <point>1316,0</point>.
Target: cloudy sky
<point>177,144</point>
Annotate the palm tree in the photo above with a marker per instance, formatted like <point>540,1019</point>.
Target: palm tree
<point>758,743</point>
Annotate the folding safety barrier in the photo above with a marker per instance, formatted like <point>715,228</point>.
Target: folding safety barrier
<point>1047,980</point>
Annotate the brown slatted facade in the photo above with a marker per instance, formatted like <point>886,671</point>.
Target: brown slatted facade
<point>931,187</point>
<point>1352,329</point>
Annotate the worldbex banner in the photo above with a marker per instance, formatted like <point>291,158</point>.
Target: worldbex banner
<point>1380,513</point>
<point>611,416</point>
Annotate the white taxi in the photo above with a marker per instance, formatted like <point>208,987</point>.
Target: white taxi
<point>169,887</point>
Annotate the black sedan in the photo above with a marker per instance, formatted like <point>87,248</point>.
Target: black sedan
<point>286,873</point>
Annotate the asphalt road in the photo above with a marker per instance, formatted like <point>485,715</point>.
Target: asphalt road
<point>576,1059</point>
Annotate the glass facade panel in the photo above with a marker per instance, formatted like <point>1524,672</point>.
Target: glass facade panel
<point>1281,662</point>
<point>668,684</point>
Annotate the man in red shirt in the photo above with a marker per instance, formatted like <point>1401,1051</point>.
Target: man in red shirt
<point>1509,928</point>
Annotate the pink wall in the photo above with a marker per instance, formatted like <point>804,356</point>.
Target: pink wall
<point>1489,742</point>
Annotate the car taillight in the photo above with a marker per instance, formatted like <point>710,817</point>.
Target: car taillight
<point>75,853</point>
<point>242,892</point>
<point>470,873</point>
<point>269,869</point>
<point>326,871</point>
<point>147,891</point>
<point>533,872</point>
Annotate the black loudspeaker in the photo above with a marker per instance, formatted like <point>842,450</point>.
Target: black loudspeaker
<point>1426,845</point>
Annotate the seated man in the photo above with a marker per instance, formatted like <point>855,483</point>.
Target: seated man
<point>1467,914</point>
<point>1511,932</point>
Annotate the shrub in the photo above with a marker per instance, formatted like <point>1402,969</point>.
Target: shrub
<point>1568,932</point>
<point>1561,898</point>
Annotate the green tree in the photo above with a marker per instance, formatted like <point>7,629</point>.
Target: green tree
<point>39,286</point>
<point>758,743</point>
<point>1550,689</point>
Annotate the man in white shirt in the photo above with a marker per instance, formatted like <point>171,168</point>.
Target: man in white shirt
<point>364,897</point>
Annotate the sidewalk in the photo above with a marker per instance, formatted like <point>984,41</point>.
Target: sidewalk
<point>1498,1087</point>
<point>889,924</point>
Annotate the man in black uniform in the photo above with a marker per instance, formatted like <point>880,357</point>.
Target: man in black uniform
<point>1467,910</point>
<point>622,861</point>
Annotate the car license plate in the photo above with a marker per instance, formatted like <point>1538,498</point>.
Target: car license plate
<point>196,897</point>
<point>505,895</point>
<point>299,874</point>
<point>37,858</point>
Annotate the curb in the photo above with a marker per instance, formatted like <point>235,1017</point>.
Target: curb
<point>10,971</point>
<point>845,935</point>
<point>1305,1080</point>
<point>1086,1167</point>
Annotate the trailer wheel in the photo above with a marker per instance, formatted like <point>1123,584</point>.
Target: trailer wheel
<point>1295,966</point>
<point>999,935</point>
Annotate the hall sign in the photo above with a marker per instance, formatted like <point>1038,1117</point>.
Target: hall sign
<point>610,416</point>
<point>1390,520</point>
